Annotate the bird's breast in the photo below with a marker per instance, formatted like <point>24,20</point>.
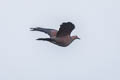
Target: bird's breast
<point>64,41</point>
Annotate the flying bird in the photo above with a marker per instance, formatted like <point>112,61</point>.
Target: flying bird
<point>59,37</point>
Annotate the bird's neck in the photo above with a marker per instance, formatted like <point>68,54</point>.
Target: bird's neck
<point>73,38</point>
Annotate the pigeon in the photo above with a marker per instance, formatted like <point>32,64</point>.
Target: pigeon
<point>59,37</point>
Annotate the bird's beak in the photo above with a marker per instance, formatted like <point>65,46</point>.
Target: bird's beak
<point>78,38</point>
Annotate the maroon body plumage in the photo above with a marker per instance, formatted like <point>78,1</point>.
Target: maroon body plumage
<point>61,37</point>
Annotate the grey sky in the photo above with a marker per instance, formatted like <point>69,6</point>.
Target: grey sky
<point>95,57</point>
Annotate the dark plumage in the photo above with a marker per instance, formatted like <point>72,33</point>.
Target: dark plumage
<point>65,29</point>
<point>61,37</point>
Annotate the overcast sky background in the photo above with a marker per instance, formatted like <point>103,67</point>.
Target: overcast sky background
<point>95,57</point>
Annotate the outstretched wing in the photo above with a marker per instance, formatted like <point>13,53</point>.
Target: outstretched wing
<point>50,32</point>
<point>65,29</point>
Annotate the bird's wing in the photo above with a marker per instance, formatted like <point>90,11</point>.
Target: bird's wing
<point>65,29</point>
<point>46,39</point>
<point>50,32</point>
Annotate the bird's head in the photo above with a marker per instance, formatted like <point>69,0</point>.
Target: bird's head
<point>75,37</point>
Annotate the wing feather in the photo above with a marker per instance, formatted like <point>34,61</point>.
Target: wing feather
<point>65,29</point>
